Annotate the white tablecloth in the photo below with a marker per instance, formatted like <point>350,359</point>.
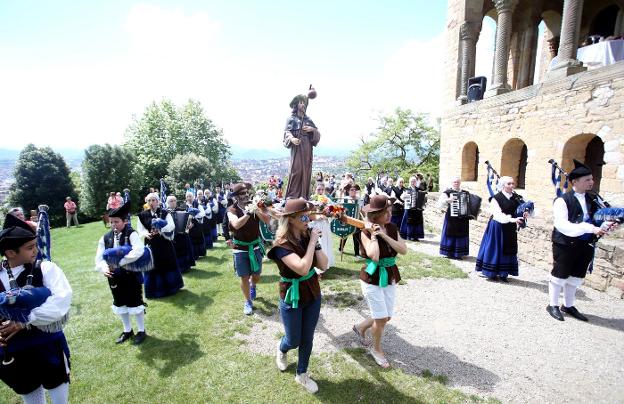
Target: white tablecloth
<point>599,54</point>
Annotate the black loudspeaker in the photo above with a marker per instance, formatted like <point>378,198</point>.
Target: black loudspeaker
<point>476,88</point>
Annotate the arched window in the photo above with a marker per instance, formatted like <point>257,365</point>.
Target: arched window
<point>604,23</point>
<point>470,162</point>
<point>514,161</point>
<point>587,148</point>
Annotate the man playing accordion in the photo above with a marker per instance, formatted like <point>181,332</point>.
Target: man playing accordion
<point>35,351</point>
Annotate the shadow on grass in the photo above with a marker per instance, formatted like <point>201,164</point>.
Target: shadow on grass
<point>168,355</point>
<point>267,307</point>
<point>186,299</point>
<point>352,390</point>
<point>341,273</point>
<point>211,260</point>
<point>200,274</point>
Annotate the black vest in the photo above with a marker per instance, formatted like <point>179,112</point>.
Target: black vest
<point>575,215</point>
<point>508,207</point>
<point>146,217</point>
<point>109,238</point>
<point>22,279</point>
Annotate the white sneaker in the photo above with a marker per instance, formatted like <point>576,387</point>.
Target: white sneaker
<point>280,358</point>
<point>309,384</point>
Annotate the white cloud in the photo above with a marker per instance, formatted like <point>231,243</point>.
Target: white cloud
<point>178,55</point>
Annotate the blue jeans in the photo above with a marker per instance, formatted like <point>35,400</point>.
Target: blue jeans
<point>299,325</point>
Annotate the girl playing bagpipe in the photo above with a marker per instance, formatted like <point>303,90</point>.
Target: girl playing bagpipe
<point>33,348</point>
<point>125,285</point>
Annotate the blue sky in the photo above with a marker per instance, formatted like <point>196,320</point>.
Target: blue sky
<point>74,73</point>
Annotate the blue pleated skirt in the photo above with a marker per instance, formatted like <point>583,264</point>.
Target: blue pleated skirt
<point>412,228</point>
<point>491,260</point>
<point>453,247</point>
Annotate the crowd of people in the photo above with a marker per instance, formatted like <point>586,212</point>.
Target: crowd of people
<point>170,237</point>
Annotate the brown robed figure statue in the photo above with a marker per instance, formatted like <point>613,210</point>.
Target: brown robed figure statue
<point>300,136</point>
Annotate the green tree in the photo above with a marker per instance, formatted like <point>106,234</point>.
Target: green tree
<point>403,144</point>
<point>188,168</point>
<point>164,132</point>
<point>105,169</point>
<point>42,177</point>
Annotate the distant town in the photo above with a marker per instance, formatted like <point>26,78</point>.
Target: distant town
<point>252,170</point>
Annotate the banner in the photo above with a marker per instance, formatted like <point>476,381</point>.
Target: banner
<point>341,229</point>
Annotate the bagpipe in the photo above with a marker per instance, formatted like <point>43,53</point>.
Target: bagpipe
<point>17,303</point>
<point>159,224</point>
<point>524,207</point>
<point>605,212</point>
<point>113,257</point>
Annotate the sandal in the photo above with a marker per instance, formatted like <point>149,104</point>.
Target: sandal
<point>381,361</point>
<point>361,338</point>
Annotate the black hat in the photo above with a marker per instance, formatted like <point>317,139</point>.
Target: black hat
<point>580,170</point>
<point>15,233</point>
<point>121,212</point>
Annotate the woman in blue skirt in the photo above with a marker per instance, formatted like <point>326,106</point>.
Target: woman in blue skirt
<point>412,225</point>
<point>498,253</point>
<point>455,230</point>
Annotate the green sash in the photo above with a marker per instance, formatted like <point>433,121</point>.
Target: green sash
<point>255,266</point>
<point>292,294</point>
<point>372,266</point>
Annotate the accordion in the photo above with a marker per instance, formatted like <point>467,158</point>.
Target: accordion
<point>180,218</point>
<point>464,205</point>
<point>414,199</point>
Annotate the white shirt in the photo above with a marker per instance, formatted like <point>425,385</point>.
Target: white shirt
<point>137,251</point>
<point>57,305</point>
<point>497,213</point>
<point>560,218</point>
<point>143,232</point>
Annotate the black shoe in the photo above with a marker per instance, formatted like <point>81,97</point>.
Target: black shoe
<point>124,337</point>
<point>140,337</point>
<point>574,313</point>
<point>504,280</point>
<point>555,313</point>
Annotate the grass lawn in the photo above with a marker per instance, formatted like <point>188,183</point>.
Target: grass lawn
<point>192,353</point>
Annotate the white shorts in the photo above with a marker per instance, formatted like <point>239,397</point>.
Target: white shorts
<point>380,300</point>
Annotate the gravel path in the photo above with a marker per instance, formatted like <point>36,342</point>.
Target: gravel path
<point>489,338</point>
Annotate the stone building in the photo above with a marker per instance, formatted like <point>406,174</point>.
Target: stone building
<point>528,116</point>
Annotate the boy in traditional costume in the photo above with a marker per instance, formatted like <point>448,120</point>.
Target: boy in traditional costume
<point>126,286</point>
<point>36,354</point>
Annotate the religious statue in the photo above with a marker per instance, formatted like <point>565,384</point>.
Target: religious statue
<point>300,136</point>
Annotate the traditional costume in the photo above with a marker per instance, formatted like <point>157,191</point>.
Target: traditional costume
<point>198,232</point>
<point>165,279</point>
<point>300,170</point>
<point>498,253</point>
<point>454,240</point>
<point>412,224</point>
<point>356,234</point>
<point>248,248</point>
<point>213,206</point>
<point>125,286</point>
<point>182,241</point>
<point>397,206</point>
<point>36,357</point>
<point>572,244</point>
<point>300,301</point>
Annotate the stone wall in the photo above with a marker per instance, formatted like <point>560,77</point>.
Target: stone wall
<point>534,247</point>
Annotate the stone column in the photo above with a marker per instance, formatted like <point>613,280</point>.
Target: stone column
<point>504,8</point>
<point>469,35</point>
<point>527,61</point>
<point>567,64</point>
